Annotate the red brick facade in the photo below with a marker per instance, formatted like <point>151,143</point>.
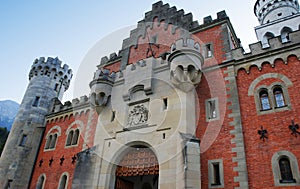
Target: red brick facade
<point>259,153</point>
<point>86,121</point>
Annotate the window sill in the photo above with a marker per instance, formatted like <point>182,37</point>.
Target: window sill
<point>264,110</point>
<point>216,186</point>
<point>49,149</point>
<point>288,181</point>
<point>281,107</point>
<point>71,146</point>
<point>273,110</point>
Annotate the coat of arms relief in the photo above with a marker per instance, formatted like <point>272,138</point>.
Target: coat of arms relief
<point>138,115</point>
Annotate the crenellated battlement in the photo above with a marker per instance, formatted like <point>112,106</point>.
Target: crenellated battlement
<point>259,55</point>
<point>188,44</point>
<point>106,60</point>
<point>51,68</point>
<point>58,106</point>
<point>208,19</point>
<point>274,43</point>
<point>161,12</point>
<point>104,76</point>
<point>170,16</point>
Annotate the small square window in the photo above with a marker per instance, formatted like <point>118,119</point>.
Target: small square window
<point>208,51</point>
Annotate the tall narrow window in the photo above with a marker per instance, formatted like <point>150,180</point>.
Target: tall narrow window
<point>41,182</point>
<point>36,101</point>
<point>23,140</point>
<point>48,142</point>
<point>216,174</point>
<point>286,171</point>
<point>53,141</point>
<point>8,185</point>
<point>69,139</point>
<point>278,96</point>
<point>165,101</point>
<point>208,49</point>
<point>113,115</point>
<point>264,100</point>
<point>63,182</point>
<point>75,137</point>
<point>211,109</point>
<point>56,87</point>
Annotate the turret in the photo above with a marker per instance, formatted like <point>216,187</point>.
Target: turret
<point>186,62</point>
<point>47,80</point>
<point>101,88</point>
<point>276,18</point>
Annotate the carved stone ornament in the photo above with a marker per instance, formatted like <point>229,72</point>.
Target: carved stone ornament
<point>137,116</point>
<point>185,77</point>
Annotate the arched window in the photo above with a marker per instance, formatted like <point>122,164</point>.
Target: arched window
<point>285,34</point>
<point>53,141</point>
<point>69,139</point>
<point>41,182</point>
<point>73,133</point>
<point>278,96</point>
<point>285,170</point>
<point>267,36</point>
<point>48,142</point>
<point>75,137</point>
<point>52,137</point>
<point>264,100</point>
<point>63,183</point>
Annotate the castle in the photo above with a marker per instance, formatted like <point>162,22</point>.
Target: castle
<point>181,105</point>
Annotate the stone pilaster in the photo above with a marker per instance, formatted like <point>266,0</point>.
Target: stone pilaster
<point>237,131</point>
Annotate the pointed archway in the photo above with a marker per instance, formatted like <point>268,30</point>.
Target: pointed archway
<point>138,169</point>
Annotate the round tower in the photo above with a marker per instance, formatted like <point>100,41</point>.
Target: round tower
<point>276,18</point>
<point>270,10</point>
<point>47,80</point>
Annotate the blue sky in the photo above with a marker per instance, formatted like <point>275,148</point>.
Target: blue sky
<point>68,29</point>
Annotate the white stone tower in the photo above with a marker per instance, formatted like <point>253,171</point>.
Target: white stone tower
<point>276,18</point>
<point>47,81</point>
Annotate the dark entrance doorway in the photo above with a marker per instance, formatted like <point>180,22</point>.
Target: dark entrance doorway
<point>138,169</point>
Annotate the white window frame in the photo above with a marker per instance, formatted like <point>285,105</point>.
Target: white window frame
<point>211,173</point>
<point>208,109</point>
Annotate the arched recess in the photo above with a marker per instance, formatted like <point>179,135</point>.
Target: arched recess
<point>136,167</point>
<point>254,83</point>
<point>285,34</point>
<point>41,182</point>
<point>267,36</point>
